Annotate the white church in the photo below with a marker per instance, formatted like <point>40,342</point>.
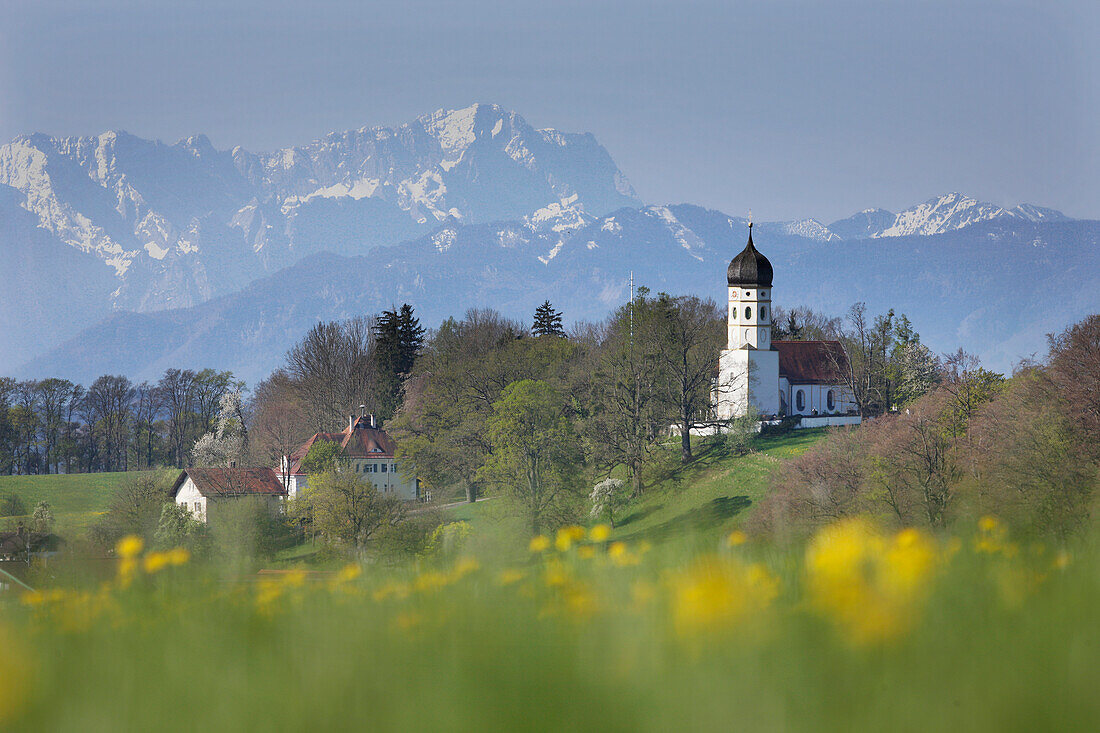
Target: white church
<point>778,378</point>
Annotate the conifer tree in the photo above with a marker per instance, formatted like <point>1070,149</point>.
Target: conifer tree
<point>398,338</point>
<point>547,321</point>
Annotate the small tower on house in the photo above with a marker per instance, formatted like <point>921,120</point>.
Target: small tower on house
<point>748,371</point>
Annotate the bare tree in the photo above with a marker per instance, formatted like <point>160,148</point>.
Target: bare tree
<point>176,392</point>
<point>333,366</point>
<point>689,332</point>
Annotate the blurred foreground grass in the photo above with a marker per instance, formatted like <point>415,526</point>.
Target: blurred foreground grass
<point>860,630</point>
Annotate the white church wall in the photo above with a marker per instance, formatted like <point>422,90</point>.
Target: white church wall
<point>747,376</point>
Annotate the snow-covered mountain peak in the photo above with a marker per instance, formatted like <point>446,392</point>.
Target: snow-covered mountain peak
<point>810,229</point>
<point>955,211</point>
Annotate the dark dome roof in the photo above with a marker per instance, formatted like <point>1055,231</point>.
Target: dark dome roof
<point>750,268</point>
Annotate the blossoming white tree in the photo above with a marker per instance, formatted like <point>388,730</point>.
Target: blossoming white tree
<point>227,443</point>
<point>607,498</point>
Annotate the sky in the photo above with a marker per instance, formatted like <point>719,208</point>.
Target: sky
<point>791,109</point>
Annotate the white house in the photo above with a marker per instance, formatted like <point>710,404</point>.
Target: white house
<point>367,451</point>
<point>776,377</point>
<point>202,490</point>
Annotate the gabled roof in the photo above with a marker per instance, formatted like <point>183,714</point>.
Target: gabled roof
<point>213,482</point>
<point>811,362</point>
<point>361,441</point>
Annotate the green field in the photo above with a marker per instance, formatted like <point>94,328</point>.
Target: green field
<point>76,499</point>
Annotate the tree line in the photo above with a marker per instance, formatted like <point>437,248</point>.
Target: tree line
<point>1023,448</point>
<point>57,426</point>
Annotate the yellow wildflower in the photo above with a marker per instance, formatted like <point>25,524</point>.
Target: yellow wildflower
<point>509,576</point>
<point>179,556</point>
<point>736,537</point>
<point>539,543</point>
<point>155,562</point>
<point>349,572</point>
<point>130,546</point>
<point>408,620</point>
<point>714,594</point>
<point>392,589</point>
<point>556,574</point>
<point>464,567</point>
<point>1062,560</point>
<point>621,555</point>
<point>566,536</point>
<point>599,533</point>
<point>870,585</point>
<point>992,538</point>
<point>127,568</point>
<point>586,552</point>
<point>432,580</point>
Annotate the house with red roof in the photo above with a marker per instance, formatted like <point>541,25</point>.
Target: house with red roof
<point>366,450</point>
<point>201,490</point>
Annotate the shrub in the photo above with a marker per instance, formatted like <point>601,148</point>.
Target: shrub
<point>12,505</point>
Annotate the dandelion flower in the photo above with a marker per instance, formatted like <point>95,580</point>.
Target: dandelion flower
<point>155,562</point>
<point>714,594</point>
<point>735,538</point>
<point>567,536</point>
<point>871,585</point>
<point>599,533</point>
<point>130,546</point>
<point>539,543</point>
<point>509,576</point>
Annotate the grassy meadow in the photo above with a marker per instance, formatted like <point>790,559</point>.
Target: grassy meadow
<point>75,499</point>
<point>675,620</point>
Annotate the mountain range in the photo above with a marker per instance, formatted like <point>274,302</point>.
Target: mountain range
<point>129,256</point>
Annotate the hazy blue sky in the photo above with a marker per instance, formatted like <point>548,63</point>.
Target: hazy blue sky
<point>789,108</point>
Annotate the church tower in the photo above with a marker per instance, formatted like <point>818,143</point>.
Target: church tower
<point>748,371</point>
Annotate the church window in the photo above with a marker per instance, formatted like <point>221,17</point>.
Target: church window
<point>763,336</point>
<point>830,400</point>
<point>748,312</point>
<point>800,401</point>
<point>748,335</point>
<point>763,312</point>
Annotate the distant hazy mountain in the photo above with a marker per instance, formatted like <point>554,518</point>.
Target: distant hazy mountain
<point>177,224</point>
<point>952,286</point>
<point>131,255</point>
<point>866,223</point>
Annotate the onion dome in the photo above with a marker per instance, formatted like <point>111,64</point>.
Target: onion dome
<point>750,268</point>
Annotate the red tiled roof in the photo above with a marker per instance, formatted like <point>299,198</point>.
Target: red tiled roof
<point>232,481</point>
<point>362,442</point>
<point>810,362</point>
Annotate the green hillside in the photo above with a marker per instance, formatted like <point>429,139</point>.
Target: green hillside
<point>697,502</point>
<point>75,498</point>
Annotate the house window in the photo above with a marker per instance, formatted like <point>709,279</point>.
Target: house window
<point>800,401</point>
<point>384,467</point>
<point>830,400</point>
<point>198,507</point>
